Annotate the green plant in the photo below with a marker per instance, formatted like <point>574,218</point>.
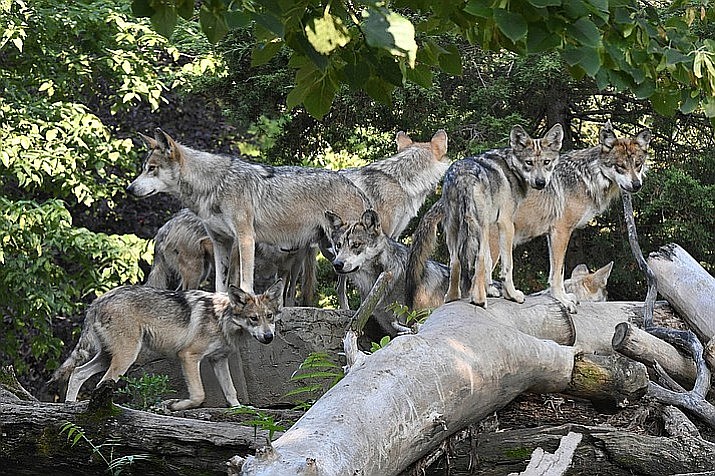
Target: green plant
<point>145,391</point>
<point>408,315</point>
<point>318,373</point>
<point>260,419</point>
<point>375,346</point>
<point>115,466</point>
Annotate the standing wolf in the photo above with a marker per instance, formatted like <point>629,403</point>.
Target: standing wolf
<point>583,185</point>
<point>190,325</point>
<point>363,251</point>
<point>479,192</point>
<point>241,203</point>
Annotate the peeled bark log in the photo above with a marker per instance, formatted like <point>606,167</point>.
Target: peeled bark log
<point>401,402</point>
<point>687,286</point>
<point>644,347</point>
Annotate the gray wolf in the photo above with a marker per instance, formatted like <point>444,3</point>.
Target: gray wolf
<point>589,286</point>
<point>241,203</point>
<point>583,185</point>
<point>364,251</point>
<point>482,191</point>
<point>184,258</point>
<point>398,186</point>
<point>189,325</point>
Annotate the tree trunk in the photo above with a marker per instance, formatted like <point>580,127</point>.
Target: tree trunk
<point>463,364</point>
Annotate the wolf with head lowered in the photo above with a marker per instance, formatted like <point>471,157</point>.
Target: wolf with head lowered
<point>241,203</point>
<point>480,194</point>
<point>128,321</point>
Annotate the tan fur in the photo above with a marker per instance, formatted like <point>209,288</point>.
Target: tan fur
<point>189,326</point>
<point>584,184</point>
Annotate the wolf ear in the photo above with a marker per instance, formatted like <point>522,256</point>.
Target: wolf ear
<point>601,276</point>
<point>518,137</point>
<point>579,271</point>
<point>643,139</point>
<point>403,141</point>
<point>148,141</point>
<point>238,296</point>
<point>164,141</point>
<point>606,137</point>
<point>555,137</point>
<point>275,293</point>
<point>439,143</point>
<point>334,219</point>
<point>370,220</point>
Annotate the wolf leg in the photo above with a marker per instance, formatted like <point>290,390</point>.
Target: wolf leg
<point>478,292</point>
<point>223,375</point>
<point>454,292</point>
<point>558,243</point>
<point>222,255</point>
<point>506,245</point>
<point>99,363</point>
<point>191,366</point>
<point>247,247</point>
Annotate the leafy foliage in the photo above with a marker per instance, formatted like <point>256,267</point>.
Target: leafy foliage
<point>662,53</point>
<point>319,373</point>
<point>145,391</point>
<point>115,466</point>
<point>261,419</point>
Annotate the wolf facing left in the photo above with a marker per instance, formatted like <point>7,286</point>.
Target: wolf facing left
<point>484,191</point>
<point>242,203</point>
<point>191,326</point>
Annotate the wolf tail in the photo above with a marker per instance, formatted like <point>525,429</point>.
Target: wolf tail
<point>423,243</point>
<point>86,348</point>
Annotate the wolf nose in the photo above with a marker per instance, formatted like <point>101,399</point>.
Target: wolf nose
<point>540,183</point>
<point>338,265</point>
<point>130,188</point>
<point>636,185</point>
<point>267,338</point>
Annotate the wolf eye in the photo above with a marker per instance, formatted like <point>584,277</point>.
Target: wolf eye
<point>253,318</point>
<point>530,163</point>
<point>355,245</point>
<point>150,168</point>
<point>547,162</point>
<point>619,167</point>
<point>338,245</point>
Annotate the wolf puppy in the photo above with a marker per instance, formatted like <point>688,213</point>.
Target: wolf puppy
<point>364,251</point>
<point>242,203</point>
<point>482,191</point>
<point>190,325</point>
<point>583,185</point>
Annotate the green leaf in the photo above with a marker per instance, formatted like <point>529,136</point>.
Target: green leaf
<point>665,102</point>
<point>545,3</point>
<point>539,39</point>
<point>589,59</point>
<point>511,24</point>
<point>585,32</point>
<point>327,33</point>
<point>262,53</point>
<point>319,98</point>
<point>390,31</point>
<point>645,89</point>
<point>164,19</point>
<point>421,74</point>
<point>356,74</point>
<point>451,61</point>
<point>213,23</point>
<point>185,8</point>
<point>673,56</point>
<point>379,90</point>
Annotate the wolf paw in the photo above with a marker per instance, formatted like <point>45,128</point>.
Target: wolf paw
<point>493,290</point>
<point>517,296</point>
<point>569,300</point>
<point>449,297</point>
<point>475,302</point>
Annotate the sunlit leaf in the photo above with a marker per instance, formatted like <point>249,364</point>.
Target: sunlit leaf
<point>391,31</point>
<point>327,33</point>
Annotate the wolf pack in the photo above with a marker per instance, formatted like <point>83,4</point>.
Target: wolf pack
<point>254,231</point>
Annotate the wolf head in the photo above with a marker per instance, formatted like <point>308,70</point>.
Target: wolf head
<point>256,314</point>
<point>354,243</point>
<point>437,145</point>
<point>160,170</point>
<point>587,285</point>
<point>624,160</point>
<point>535,159</point>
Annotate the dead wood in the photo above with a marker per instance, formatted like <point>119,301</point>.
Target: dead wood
<point>31,441</point>
<point>556,464</point>
<point>643,347</point>
<point>463,364</point>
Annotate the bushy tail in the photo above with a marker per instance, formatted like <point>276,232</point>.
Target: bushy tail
<point>86,348</point>
<point>424,241</point>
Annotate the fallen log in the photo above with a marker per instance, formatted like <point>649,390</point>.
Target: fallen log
<point>687,286</point>
<point>32,439</point>
<point>399,403</point>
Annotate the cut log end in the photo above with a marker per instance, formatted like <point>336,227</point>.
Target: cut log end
<point>608,378</point>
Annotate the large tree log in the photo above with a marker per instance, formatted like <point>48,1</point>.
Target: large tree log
<point>398,404</point>
<point>31,442</point>
<point>687,286</point>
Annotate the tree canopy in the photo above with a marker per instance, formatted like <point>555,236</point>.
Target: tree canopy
<point>660,51</point>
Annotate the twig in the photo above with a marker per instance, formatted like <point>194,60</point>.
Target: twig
<point>369,304</point>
